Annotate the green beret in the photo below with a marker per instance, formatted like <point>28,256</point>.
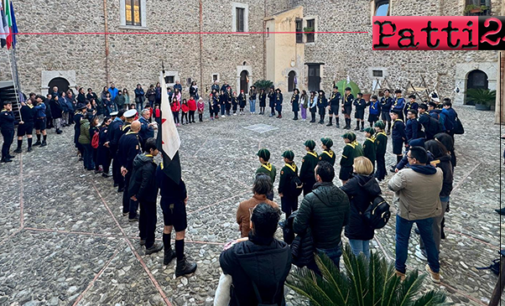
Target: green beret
<point>288,154</point>
<point>380,124</point>
<point>264,153</point>
<point>349,135</point>
<point>327,142</point>
<point>310,144</point>
<point>369,130</point>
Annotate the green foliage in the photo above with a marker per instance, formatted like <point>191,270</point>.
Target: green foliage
<point>308,29</point>
<point>481,96</point>
<point>343,84</point>
<point>471,7</point>
<point>263,84</point>
<point>363,283</point>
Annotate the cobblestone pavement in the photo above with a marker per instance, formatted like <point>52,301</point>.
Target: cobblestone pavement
<point>64,241</point>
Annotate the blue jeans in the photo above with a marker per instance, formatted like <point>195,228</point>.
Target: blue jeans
<point>334,254</point>
<point>403,229</point>
<point>252,106</point>
<point>139,107</point>
<point>360,246</point>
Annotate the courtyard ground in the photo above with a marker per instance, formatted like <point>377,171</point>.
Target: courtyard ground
<point>64,241</point>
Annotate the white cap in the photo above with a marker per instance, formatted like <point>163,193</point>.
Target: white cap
<point>130,113</point>
<point>114,113</point>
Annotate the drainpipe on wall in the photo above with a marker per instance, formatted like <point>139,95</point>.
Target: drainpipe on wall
<point>201,45</point>
<point>106,30</point>
<point>500,91</point>
<point>264,41</point>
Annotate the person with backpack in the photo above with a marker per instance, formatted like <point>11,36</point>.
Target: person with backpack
<point>450,117</point>
<point>259,265</point>
<point>362,189</point>
<point>325,212</point>
<point>288,192</point>
<point>429,124</point>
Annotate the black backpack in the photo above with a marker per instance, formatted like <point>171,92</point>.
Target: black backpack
<point>295,186</point>
<point>377,214</point>
<point>458,127</point>
<point>495,266</point>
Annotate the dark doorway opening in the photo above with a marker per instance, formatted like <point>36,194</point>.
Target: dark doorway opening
<point>244,81</point>
<point>314,77</point>
<point>291,81</point>
<point>61,83</point>
<point>476,79</point>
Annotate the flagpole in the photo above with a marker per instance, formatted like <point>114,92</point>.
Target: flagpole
<point>14,82</point>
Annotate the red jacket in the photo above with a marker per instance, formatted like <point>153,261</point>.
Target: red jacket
<point>192,105</point>
<point>176,107</point>
<point>157,113</point>
<point>185,108</point>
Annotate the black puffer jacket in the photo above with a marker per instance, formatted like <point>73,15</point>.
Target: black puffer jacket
<point>444,163</point>
<point>326,211</point>
<point>143,180</point>
<point>361,190</point>
<point>302,248</point>
<point>266,262</point>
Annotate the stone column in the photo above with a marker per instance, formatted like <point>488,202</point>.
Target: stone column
<point>500,92</point>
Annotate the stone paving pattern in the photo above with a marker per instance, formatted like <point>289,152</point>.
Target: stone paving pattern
<point>64,240</point>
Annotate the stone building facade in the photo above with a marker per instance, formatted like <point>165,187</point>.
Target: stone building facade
<point>131,54</point>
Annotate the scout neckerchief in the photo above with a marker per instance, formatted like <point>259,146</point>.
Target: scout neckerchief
<point>399,120</point>
<point>329,153</point>
<point>267,166</point>
<point>312,153</point>
<point>372,139</point>
<point>352,144</point>
<point>372,106</point>
<point>293,167</point>
<point>4,110</point>
<point>382,133</point>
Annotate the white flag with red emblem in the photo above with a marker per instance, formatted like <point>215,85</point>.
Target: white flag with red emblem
<point>169,141</point>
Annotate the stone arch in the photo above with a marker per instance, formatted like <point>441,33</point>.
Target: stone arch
<point>48,76</point>
<point>62,84</point>
<point>464,70</point>
<point>248,82</point>
<point>476,79</point>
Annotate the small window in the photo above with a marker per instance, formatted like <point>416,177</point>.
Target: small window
<point>215,77</point>
<point>170,79</point>
<point>478,8</point>
<point>240,19</point>
<point>378,73</point>
<point>268,32</point>
<point>132,12</point>
<point>299,31</point>
<point>188,81</point>
<point>381,7</point>
<point>311,27</point>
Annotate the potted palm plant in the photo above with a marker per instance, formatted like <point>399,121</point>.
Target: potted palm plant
<point>363,282</point>
<point>263,84</point>
<point>482,98</point>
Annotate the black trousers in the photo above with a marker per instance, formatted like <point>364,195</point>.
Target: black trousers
<point>191,116</point>
<point>147,222</point>
<point>128,204</point>
<point>8,136</point>
<point>307,187</point>
<point>380,174</point>
<point>313,115</point>
<point>116,173</point>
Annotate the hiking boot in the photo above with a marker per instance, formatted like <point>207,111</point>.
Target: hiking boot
<point>169,256</point>
<point>435,277</point>
<point>44,143</point>
<point>18,150</point>
<point>154,249</point>
<point>38,143</point>
<point>400,275</point>
<point>184,267</point>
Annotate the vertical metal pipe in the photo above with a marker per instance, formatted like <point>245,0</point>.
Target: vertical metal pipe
<point>106,30</point>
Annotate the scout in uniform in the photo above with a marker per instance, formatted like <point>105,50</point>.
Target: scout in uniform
<point>347,107</point>
<point>7,122</point>
<point>399,104</point>
<point>40,121</point>
<point>412,128</point>
<point>359,114</point>
<point>373,110</point>
<point>381,143</point>
<point>289,203</point>
<point>327,155</point>
<point>398,135</point>
<point>263,104</point>
<point>334,106</point>
<point>411,104</point>
<point>347,160</point>
<point>266,168</point>
<point>309,163</point>
<point>294,103</point>
<point>386,103</point>
<point>322,103</point>
<point>278,102</point>
<point>358,148</point>
<point>128,148</point>
<point>369,147</point>
<point>26,128</point>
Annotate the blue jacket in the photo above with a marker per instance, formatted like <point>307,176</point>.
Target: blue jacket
<point>7,120</point>
<point>70,105</point>
<point>411,129</point>
<point>145,130</point>
<point>386,104</point>
<point>375,108</point>
<point>398,133</point>
<point>113,93</point>
<point>399,104</point>
<point>40,110</point>
<point>449,118</point>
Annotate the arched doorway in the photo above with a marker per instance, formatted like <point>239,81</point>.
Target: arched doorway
<point>61,83</point>
<point>244,81</point>
<point>291,81</point>
<point>476,79</point>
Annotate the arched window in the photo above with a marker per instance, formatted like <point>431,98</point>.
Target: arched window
<point>291,81</point>
<point>244,81</point>
<point>61,83</point>
<point>382,7</point>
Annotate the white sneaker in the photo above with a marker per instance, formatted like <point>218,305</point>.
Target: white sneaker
<point>223,116</point>
<point>420,255</point>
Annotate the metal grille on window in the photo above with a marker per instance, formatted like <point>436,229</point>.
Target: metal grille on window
<point>299,31</point>
<point>310,28</point>
<point>240,19</point>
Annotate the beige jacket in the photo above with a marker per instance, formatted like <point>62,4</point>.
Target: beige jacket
<point>416,194</point>
<point>243,214</point>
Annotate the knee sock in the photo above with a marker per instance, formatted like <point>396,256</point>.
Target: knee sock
<point>20,143</point>
<point>336,120</point>
<point>38,137</point>
<point>331,119</point>
<point>179,249</point>
<point>357,123</point>
<point>45,137</point>
<point>30,142</point>
<point>166,242</point>
<point>389,125</point>
<point>362,124</point>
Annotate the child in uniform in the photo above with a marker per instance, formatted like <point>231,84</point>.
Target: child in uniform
<point>242,101</point>
<point>309,163</point>
<point>192,109</point>
<point>327,155</point>
<point>373,110</point>
<point>234,103</point>
<point>381,143</point>
<point>398,136</point>
<point>347,159</point>
<point>176,107</point>
<point>369,147</point>
<point>289,203</point>
<point>359,114</point>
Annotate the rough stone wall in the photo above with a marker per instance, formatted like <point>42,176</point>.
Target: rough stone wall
<point>351,53</point>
